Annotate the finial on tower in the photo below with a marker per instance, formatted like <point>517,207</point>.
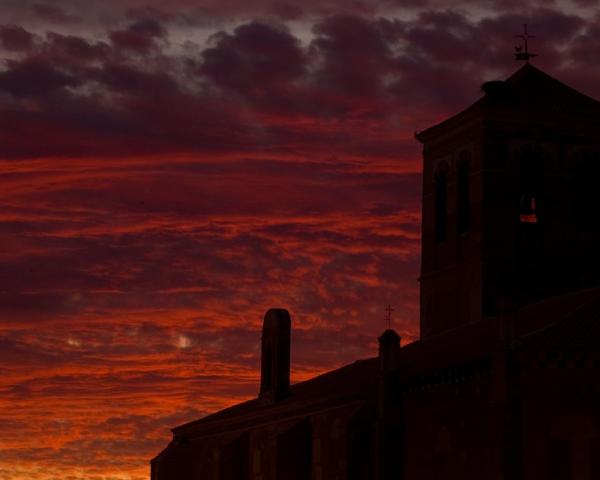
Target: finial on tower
<point>522,51</point>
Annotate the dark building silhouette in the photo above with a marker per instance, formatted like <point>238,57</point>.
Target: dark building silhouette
<point>504,382</point>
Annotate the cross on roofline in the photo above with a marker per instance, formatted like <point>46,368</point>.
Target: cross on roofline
<point>522,51</point>
<point>388,315</point>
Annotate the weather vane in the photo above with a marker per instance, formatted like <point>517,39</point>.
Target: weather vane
<point>522,51</point>
<point>388,315</point>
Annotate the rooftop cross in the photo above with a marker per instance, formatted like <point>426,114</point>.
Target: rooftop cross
<point>388,315</point>
<point>522,51</point>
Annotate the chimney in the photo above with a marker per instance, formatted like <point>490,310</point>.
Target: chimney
<point>275,357</point>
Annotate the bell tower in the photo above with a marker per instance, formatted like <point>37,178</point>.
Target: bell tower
<point>510,206</point>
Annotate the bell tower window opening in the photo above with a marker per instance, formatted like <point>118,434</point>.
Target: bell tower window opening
<point>441,205</point>
<point>463,193</point>
<point>531,174</point>
<point>528,211</point>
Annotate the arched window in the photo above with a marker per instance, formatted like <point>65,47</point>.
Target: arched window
<point>463,193</point>
<point>531,176</point>
<point>441,204</point>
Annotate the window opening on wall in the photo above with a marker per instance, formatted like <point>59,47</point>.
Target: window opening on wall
<point>531,176</point>
<point>528,211</point>
<point>463,191</point>
<point>586,191</point>
<point>441,187</point>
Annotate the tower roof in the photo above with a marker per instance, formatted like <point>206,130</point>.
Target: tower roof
<point>529,86</point>
<point>528,89</point>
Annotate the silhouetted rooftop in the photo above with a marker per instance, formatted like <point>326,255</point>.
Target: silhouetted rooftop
<point>352,382</point>
<point>571,322</point>
<point>528,89</point>
<point>578,331</point>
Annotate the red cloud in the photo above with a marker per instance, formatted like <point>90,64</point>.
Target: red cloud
<point>157,199</point>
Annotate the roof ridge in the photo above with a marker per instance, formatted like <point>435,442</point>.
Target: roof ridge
<point>577,312</point>
<point>529,69</point>
<point>239,409</point>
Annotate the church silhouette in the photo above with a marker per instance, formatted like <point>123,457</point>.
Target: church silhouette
<point>504,382</point>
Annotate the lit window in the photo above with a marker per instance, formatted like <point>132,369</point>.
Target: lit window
<point>531,183</point>
<point>528,211</point>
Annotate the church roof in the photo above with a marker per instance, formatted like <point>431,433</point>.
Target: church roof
<point>576,326</point>
<point>579,330</point>
<point>529,90</point>
<point>561,323</point>
<point>460,345</point>
<point>347,384</point>
<point>571,322</point>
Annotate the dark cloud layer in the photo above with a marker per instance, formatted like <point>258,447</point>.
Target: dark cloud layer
<point>259,86</point>
<point>15,38</point>
<point>168,175</point>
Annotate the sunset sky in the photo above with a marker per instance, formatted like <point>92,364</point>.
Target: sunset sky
<point>171,170</point>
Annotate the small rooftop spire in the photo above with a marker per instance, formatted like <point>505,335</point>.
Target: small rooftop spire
<point>522,51</point>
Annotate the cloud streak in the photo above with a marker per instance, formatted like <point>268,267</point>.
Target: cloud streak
<point>168,176</point>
